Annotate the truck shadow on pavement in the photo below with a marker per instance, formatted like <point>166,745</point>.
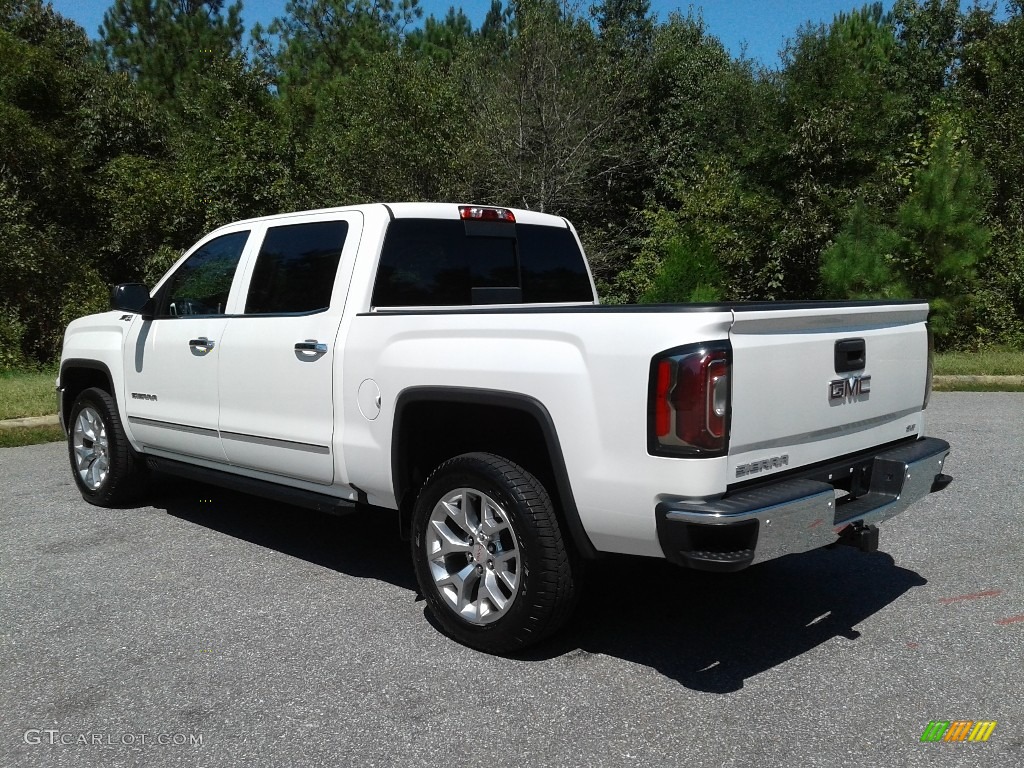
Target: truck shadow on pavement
<point>710,632</point>
<point>713,631</point>
<point>363,544</point>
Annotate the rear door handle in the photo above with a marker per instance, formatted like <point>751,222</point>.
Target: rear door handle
<point>203,342</point>
<point>310,345</point>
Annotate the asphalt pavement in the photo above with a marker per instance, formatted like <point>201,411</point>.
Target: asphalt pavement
<point>216,629</point>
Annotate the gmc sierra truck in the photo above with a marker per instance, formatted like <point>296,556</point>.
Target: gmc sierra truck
<point>452,362</point>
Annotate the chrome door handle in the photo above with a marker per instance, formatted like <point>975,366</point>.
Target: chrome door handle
<point>202,341</point>
<point>310,345</point>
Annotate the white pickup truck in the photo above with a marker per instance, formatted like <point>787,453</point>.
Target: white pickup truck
<point>451,362</point>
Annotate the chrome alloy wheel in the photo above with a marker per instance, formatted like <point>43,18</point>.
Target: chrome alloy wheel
<point>473,556</point>
<point>92,449</point>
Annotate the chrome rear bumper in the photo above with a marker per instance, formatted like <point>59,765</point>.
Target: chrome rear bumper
<point>799,514</point>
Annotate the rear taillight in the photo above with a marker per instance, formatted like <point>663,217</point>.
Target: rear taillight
<point>689,408</point>
<point>930,367</point>
<point>662,407</point>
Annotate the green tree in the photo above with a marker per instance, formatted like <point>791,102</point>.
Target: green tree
<point>318,39</point>
<point>989,97</point>
<point>230,157</point>
<point>689,272</point>
<point>50,270</point>
<point>549,115</point>
<point>626,24</point>
<point>163,44</point>
<point>846,119</point>
<point>441,39</point>
<point>931,248</point>
<point>861,264</point>
<point>707,115</point>
<point>928,55</point>
<point>396,129</point>
<point>943,233</point>
<point>497,24</point>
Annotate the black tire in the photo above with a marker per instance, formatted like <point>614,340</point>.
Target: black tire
<point>516,554</point>
<point>106,469</point>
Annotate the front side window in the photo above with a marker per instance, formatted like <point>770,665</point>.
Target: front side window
<point>296,267</point>
<point>201,285</point>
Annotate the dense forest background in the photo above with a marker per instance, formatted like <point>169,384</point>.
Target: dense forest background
<point>883,158</point>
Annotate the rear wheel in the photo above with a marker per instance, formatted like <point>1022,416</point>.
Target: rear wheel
<point>489,556</point>
<point>106,469</point>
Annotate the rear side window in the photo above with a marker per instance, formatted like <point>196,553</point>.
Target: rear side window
<point>201,285</point>
<point>295,268</point>
<point>433,262</point>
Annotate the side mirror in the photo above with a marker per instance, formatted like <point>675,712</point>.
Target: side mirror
<point>132,297</point>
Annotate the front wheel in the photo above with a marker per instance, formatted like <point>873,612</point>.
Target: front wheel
<point>106,469</point>
<point>489,555</point>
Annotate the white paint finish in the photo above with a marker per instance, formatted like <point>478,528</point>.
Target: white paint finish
<point>277,403</point>
<point>589,368</point>
<point>270,392</point>
<point>159,361</point>
<point>782,368</point>
<point>796,319</point>
<point>369,399</point>
<point>101,338</point>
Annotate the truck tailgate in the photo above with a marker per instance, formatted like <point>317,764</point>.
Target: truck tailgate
<point>814,382</point>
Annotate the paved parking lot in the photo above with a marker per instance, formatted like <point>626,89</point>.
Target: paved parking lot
<point>214,629</point>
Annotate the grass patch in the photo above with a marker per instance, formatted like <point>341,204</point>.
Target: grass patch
<point>976,386</point>
<point>996,361</point>
<point>27,393</point>
<point>19,436</point>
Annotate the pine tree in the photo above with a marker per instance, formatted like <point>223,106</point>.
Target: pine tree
<point>860,263</point>
<point>164,44</point>
<point>942,229</point>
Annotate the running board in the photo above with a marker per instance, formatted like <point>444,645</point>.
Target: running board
<point>321,502</point>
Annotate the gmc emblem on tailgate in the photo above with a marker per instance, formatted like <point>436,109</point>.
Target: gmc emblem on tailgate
<point>841,389</point>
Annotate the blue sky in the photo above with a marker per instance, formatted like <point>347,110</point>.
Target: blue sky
<point>763,25</point>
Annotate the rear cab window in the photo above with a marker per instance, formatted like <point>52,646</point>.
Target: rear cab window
<point>443,262</point>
